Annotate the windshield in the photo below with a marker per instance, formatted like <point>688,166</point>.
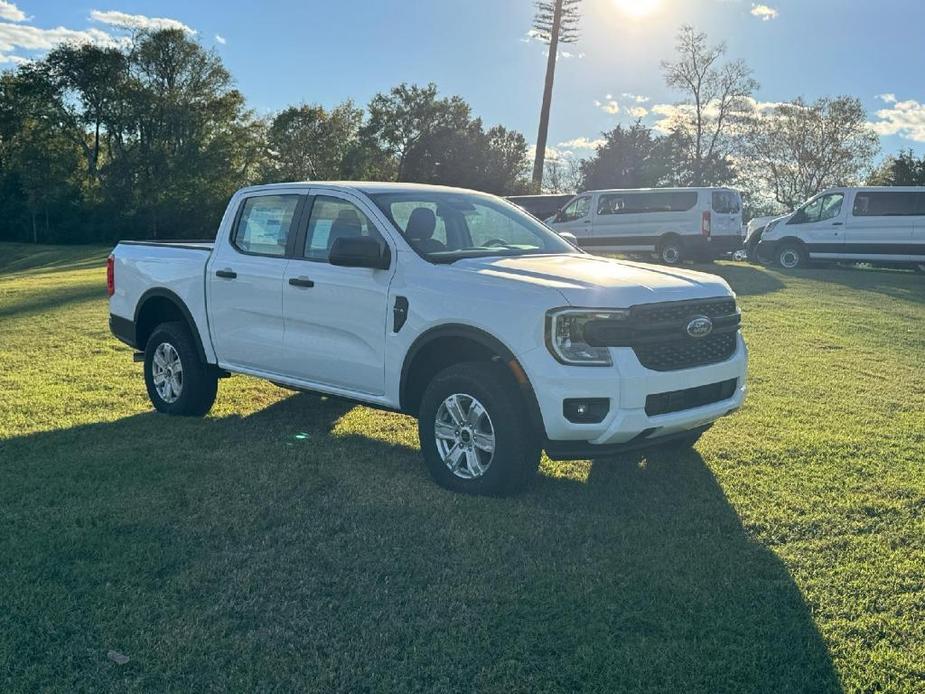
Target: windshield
<point>444,227</point>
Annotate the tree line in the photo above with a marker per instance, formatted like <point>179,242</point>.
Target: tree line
<point>150,140</point>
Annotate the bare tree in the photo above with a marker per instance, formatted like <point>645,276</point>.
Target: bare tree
<point>556,22</point>
<point>562,176</point>
<point>795,150</point>
<point>716,94</point>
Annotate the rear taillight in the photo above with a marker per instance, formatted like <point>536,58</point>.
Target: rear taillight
<point>110,276</point>
<point>705,224</point>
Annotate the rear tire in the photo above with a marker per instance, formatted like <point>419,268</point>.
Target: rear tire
<point>466,409</point>
<point>791,256</point>
<point>177,380</point>
<point>671,251</point>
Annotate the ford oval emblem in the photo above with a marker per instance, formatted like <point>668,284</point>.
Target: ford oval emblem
<point>699,326</point>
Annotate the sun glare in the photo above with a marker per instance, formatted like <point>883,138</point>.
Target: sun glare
<point>637,8</point>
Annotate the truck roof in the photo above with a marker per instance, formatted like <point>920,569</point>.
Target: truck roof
<point>368,187</point>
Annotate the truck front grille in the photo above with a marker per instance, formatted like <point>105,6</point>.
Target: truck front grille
<point>658,335</point>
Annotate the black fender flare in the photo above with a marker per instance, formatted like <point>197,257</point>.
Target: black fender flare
<point>487,340</point>
<point>164,293</point>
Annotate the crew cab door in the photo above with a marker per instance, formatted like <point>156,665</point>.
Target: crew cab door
<point>335,316</point>
<point>244,278</point>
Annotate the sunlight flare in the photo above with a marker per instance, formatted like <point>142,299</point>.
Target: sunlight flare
<point>637,8</point>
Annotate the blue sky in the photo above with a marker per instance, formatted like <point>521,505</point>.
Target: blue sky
<point>290,51</point>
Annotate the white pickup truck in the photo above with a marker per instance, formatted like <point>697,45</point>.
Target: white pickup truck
<point>456,307</point>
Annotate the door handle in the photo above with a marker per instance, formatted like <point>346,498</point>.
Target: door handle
<point>301,282</point>
<point>837,224</point>
<point>226,274</point>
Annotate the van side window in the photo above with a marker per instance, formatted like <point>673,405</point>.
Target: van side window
<point>264,224</point>
<point>577,209</point>
<point>331,219</point>
<point>646,203</point>
<point>886,204</point>
<point>822,208</point>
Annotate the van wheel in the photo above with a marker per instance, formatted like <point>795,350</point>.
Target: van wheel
<point>474,432</point>
<point>791,256</point>
<point>178,382</point>
<point>670,251</point>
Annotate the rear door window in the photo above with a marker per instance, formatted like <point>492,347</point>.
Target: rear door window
<point>264,224</point>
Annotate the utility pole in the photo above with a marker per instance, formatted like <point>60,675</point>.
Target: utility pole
<point>543,133</point>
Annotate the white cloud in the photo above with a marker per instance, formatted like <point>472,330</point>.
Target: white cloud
<point>582,143</point>
<point>609,105</point>
<point>10,12</point>
<point>635,97</point>
<point>139,22</point>
<point>221,39</point>
<point>14,59</point>
<point>889,97</point>
<point>552,154</point>
<point>30,38</point>
<point>764,12</point>
<point>904,118</point>
<point>638,111</point>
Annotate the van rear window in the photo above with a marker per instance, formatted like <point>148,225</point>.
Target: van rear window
<point>726,202</point>
<point>888,204</point>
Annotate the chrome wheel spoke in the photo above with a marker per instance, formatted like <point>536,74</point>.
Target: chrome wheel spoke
<point>445,431</point>
<point>484,442</point>
<point>473,463</point>
<point>465,436</point>
<point>167,372</point>
<point>454,409</point>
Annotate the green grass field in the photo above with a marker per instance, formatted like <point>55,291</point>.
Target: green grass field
<point>289,542</point>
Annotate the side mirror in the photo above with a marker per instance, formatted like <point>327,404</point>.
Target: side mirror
<point>570,237</point>
<point>360,251</point>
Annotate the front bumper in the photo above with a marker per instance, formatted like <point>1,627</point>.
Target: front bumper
<point>627,384</point>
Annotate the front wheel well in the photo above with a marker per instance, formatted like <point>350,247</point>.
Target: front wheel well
<point>435,356</point>
<point>443,347</point>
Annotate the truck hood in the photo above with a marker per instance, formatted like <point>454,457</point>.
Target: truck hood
<point>587,280</point>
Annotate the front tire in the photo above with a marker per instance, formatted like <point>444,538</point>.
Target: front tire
<point>474,431</point>
<point>177,380</point>
<point>791,256</point>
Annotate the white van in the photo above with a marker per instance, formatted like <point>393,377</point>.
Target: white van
<point>675,223</point>
<point>879,225</point>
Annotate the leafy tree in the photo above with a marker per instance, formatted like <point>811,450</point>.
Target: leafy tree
<point>555,22</point>
<point>795,150</point>
<point>630,157</point>
<point>82,85</point>
<point>310,143</point>
<point>717,95</point>
<point>902,169</point>
<point>400,119</point>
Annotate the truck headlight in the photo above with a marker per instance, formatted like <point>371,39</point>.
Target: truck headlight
<point>565,335</point>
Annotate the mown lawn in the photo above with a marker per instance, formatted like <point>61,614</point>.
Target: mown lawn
<point>289,542</point>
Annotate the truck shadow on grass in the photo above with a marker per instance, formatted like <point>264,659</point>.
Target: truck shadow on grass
<point>295,549</point>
